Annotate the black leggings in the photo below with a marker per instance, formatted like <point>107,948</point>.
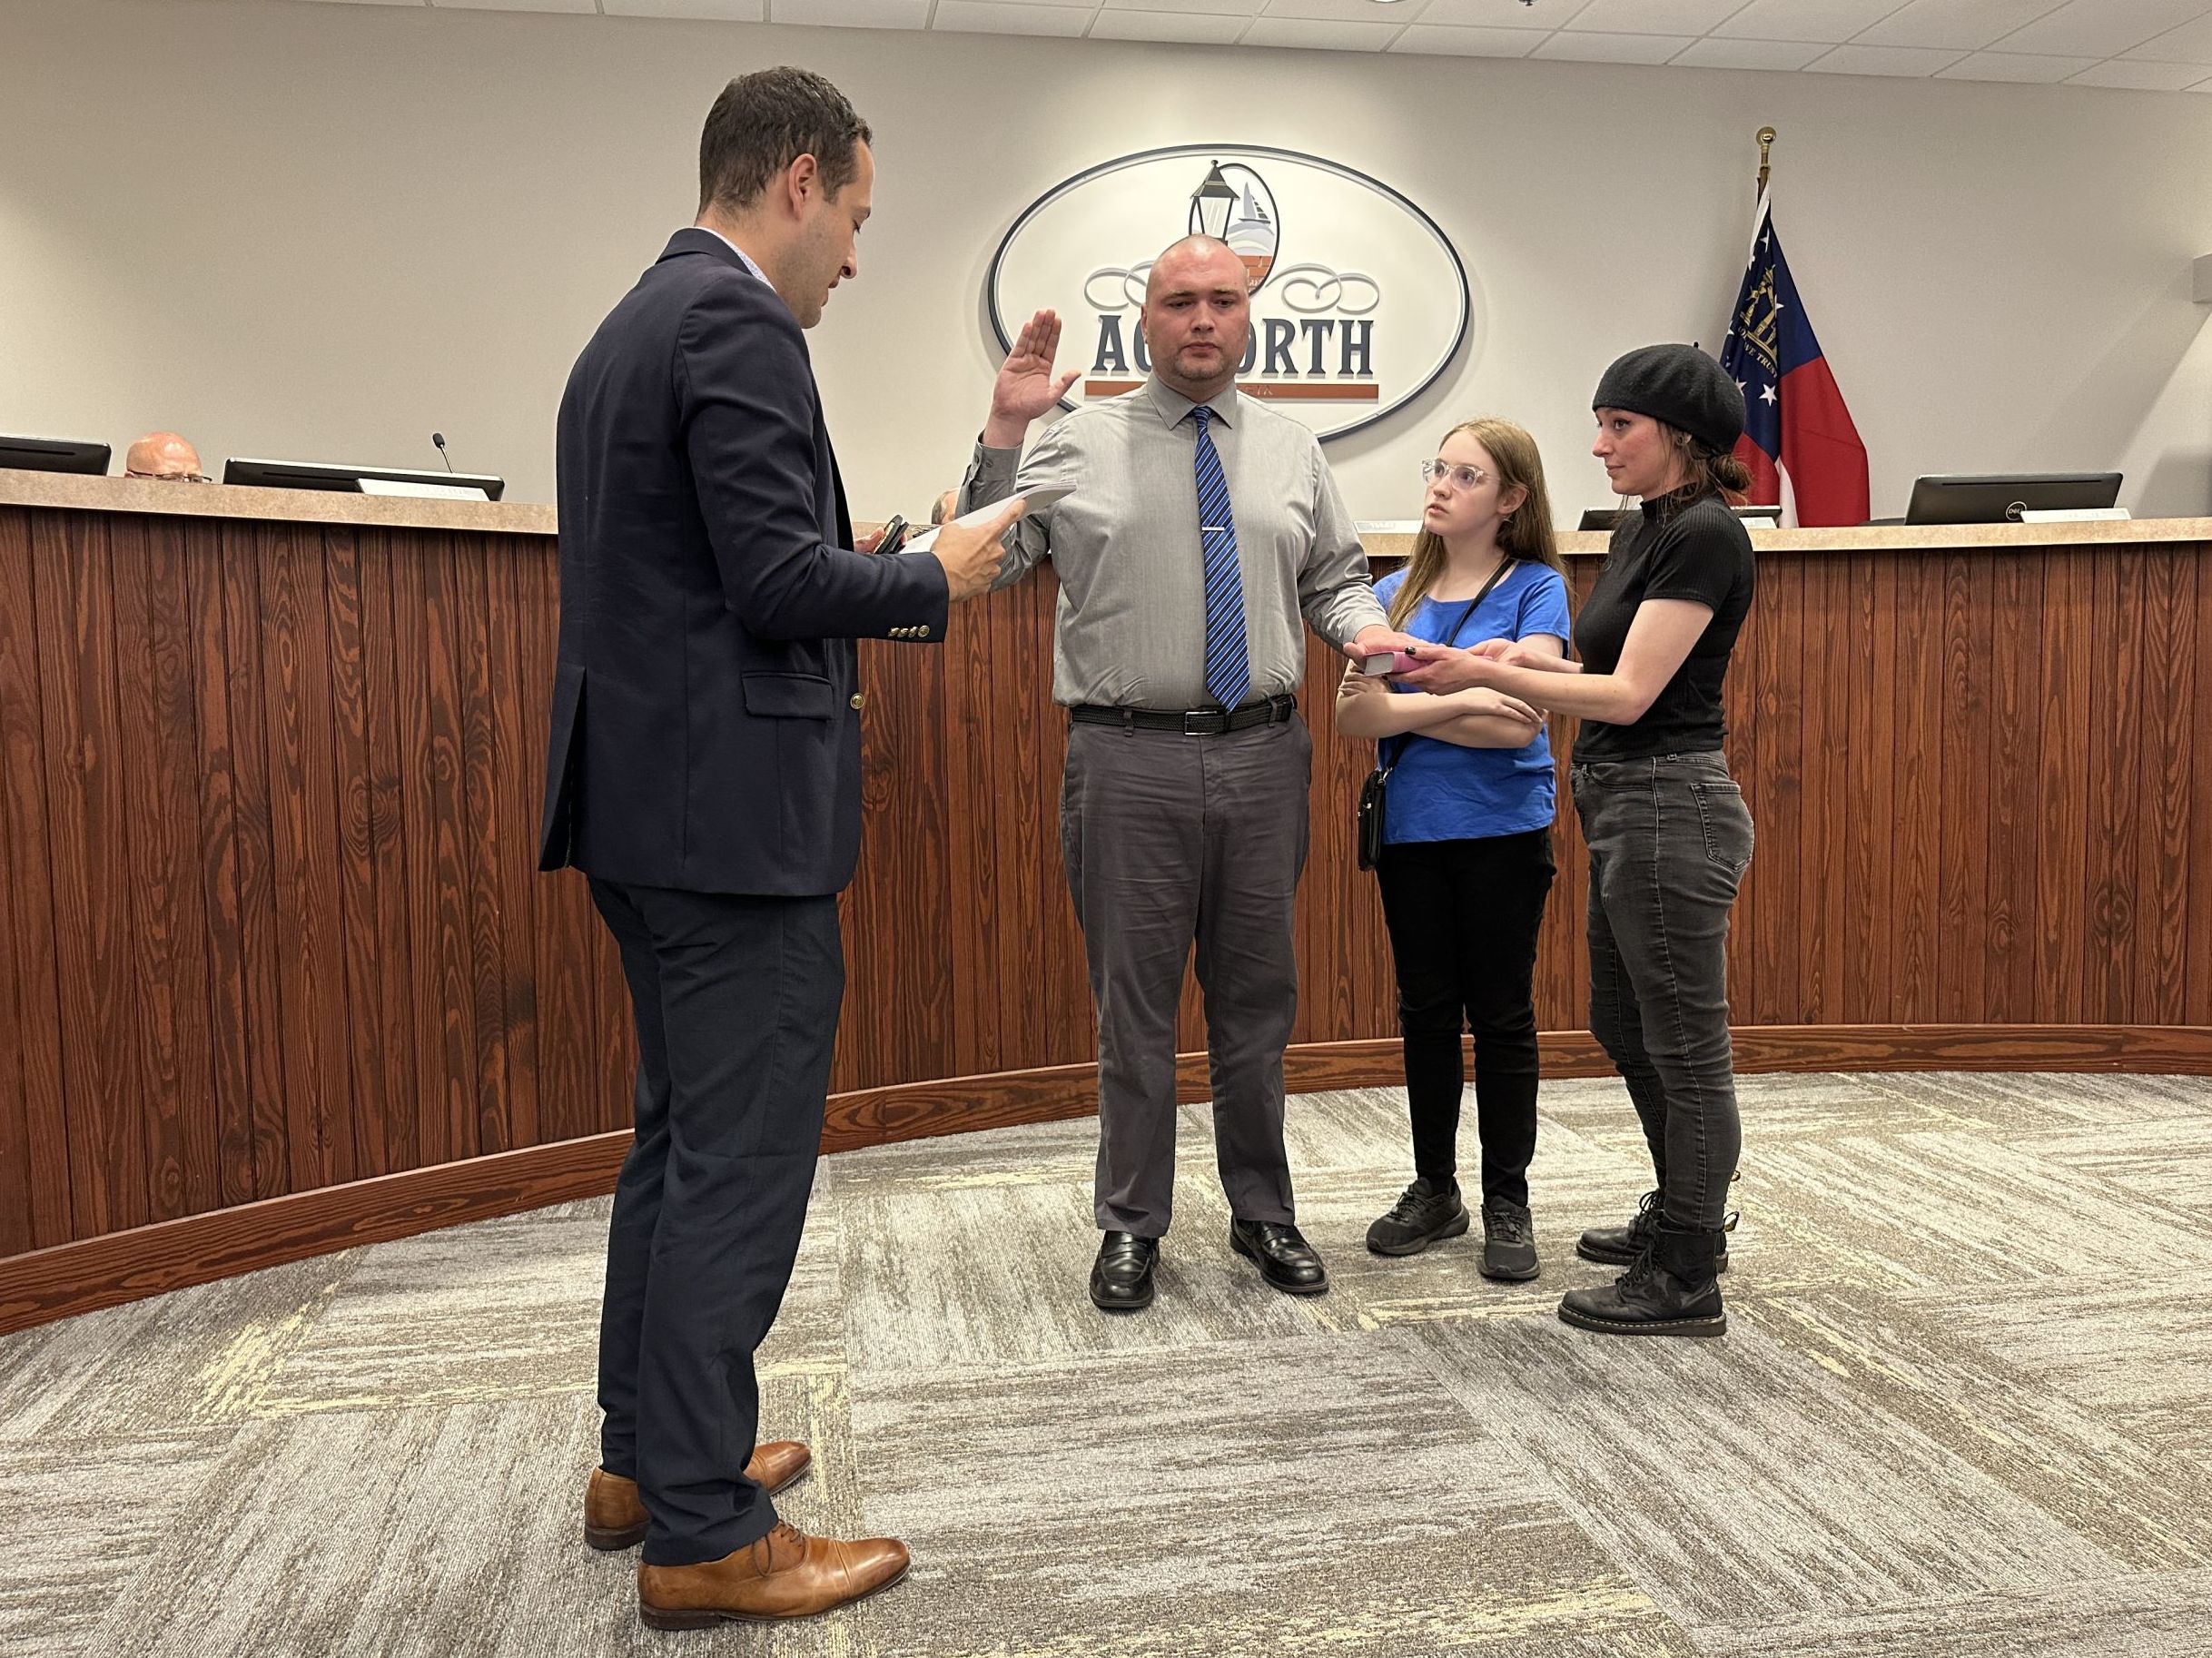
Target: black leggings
<point>1464,917</point>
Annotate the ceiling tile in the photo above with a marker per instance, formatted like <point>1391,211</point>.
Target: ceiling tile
<point>516,5</point>
<point>1201,28</point>
<point>1232,8</point>
<point>1599,48</point>
<point>1345,11</point>
<point>727,11</point>
<point>1832,21</point>
<point>378,2</point>
<point>1327,36</point>
<point>2014,66</point>
<point>2101,28</point>
<point>1653,16</point>
<point>1466,43</point>
<point>1714,52</point>
<point>1503,14</point>
<point>991,17</point>
<point>2143,77</point>
<point>2189,44</point>
<point>851,14</point>
<point>2203,85</point>
<point>1884,60</point>
<point>1966,24</point>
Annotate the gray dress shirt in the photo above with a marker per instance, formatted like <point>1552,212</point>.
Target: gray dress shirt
<point>1132,597</point>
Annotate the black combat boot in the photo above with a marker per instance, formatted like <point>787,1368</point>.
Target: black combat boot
<point>1671,1289</point>
<point>1619,1244</point>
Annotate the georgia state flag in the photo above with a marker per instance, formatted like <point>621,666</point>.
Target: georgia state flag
<point>1796,423</point>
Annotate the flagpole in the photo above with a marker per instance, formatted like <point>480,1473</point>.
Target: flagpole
<point>1765,138</point>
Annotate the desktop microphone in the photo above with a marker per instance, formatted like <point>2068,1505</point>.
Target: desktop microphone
<point>439,439</point>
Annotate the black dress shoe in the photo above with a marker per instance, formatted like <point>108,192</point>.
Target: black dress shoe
<point>1284,1258</point>
<point>1122,1278</point>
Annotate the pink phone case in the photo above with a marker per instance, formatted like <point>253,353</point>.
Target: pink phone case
<point>1397,662</point>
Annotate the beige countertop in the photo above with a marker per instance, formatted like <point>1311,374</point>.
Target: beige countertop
<point>83,493</point>
<point>87,493</point>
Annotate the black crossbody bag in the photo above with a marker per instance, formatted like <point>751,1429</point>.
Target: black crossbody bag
<point>1374,793</point>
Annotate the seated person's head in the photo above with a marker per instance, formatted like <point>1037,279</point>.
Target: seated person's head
<point>165,456</point>
<point>941,509</point>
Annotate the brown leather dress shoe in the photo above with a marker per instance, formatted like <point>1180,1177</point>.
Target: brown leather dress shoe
<point>786,1575</point>
<point>615,1515</point>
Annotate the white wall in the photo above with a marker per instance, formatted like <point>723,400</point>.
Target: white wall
<point>320,231</point>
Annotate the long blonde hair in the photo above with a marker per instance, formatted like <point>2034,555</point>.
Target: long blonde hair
<point>1526,533</point>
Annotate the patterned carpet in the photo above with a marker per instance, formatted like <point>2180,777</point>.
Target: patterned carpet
<point>1961,1410</point>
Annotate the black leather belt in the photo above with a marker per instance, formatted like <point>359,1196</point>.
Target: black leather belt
<point>1190,721</point>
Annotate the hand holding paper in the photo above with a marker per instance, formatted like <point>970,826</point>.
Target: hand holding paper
<point>1044,495</point>
<point>969,547</point>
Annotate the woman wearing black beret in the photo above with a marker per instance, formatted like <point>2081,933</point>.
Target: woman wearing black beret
<point>1668,832</point>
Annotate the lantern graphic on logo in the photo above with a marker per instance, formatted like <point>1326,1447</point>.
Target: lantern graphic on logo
<point>1234,204</point>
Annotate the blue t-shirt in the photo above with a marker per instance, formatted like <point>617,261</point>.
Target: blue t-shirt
<point>1442,791</point>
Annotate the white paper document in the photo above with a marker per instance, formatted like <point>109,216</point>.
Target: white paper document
<point>433,492</point>
<point>1044,495</point>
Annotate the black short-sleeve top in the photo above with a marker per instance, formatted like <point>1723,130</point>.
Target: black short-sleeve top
<point>1699,552</point>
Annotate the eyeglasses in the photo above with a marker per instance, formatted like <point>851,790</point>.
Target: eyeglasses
<point>171,477</point>
<point>1463,478</point>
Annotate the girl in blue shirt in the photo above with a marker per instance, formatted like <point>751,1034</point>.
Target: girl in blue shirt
<point>1466,857</point>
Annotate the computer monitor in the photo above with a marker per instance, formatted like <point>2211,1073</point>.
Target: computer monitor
<point>2000,497</point>
<point>53,455</point>
<point>325,475</point>
<point>1605,517</point>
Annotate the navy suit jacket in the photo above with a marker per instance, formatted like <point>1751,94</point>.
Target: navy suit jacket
<point>706,731</point>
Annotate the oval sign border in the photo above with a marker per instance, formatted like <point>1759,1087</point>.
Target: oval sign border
<point>1467,300</point>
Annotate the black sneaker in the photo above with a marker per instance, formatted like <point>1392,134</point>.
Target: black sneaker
<point>1670,1289</point>
<point>1508,1241</point>
<point>1617,1245</point>
<point>1424,1214</point>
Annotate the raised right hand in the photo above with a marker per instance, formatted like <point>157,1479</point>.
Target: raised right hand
<point>1027,387</point>
<point>971,554</point>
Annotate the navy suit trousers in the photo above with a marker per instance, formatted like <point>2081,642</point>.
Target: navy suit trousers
<point>735,1000</point>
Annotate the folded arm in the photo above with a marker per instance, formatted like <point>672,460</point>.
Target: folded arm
<point>1368,707</point>
<point>1660,639</point>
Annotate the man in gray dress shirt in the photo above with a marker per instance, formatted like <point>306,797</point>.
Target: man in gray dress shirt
<point>1202,525</point>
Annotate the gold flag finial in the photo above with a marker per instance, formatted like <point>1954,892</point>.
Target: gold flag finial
<point>1766,156</point>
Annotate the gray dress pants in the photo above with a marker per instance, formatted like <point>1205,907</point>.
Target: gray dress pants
<point>1172,842</point>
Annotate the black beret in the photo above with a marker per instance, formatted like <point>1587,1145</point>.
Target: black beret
<point>1680,385</point>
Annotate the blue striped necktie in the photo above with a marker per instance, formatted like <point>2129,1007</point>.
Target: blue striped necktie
<point>1228,664</point>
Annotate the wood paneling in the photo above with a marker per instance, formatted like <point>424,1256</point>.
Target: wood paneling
<point>268,817</point>
<point>35,1182</point>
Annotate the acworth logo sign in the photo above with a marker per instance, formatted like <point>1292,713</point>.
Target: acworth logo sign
<point>1359,300</point>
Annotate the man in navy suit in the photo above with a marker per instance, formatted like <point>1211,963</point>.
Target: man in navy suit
<point>705,772</point>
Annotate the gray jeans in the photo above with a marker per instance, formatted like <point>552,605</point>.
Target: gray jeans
<point>1172,841</point>
<point>1670,838</point>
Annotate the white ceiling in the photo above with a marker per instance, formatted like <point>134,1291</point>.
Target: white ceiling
<point>2153,46</point>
